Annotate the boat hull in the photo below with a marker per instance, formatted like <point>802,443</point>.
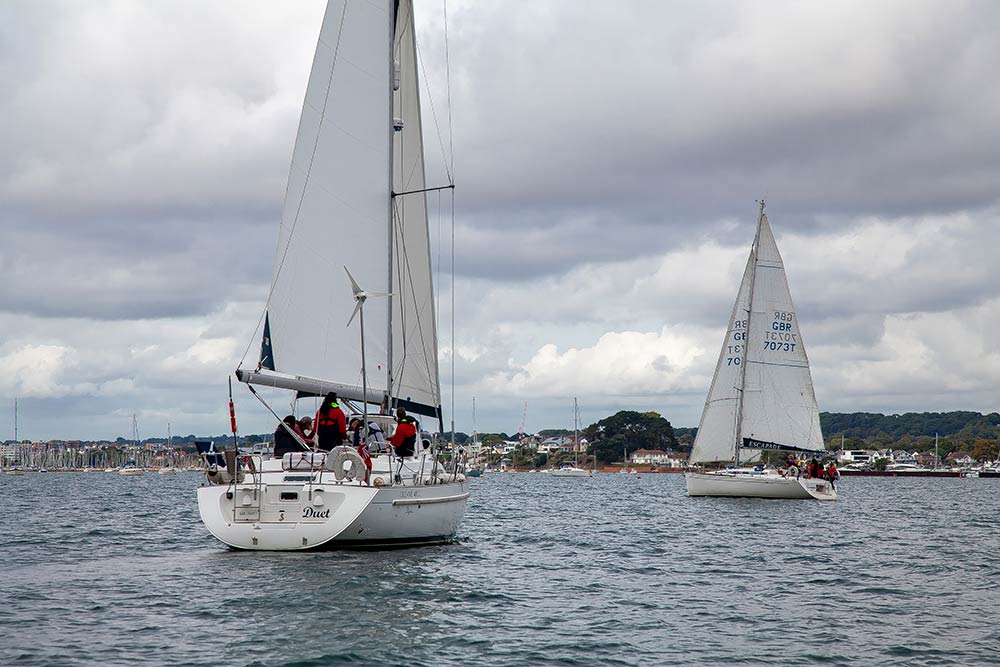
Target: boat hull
<point>570,472</point>
<point>331,516</point>
<point>758,486</point>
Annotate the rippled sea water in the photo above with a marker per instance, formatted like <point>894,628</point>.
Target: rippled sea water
<point>97,569</point>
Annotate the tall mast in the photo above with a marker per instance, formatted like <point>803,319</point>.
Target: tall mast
<point>746,340</point>
<point>390,125</point>
<point>576,434</point>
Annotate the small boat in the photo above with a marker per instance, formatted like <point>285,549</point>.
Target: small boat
<point>130,470</point>
<point>573,469</point>
<point>569,470</point>
<point>761,397</point>
<point>167,471</point>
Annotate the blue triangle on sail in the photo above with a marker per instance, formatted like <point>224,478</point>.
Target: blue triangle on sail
<point>266,353</point>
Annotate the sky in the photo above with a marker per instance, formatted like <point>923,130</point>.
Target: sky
<point>608,159</point>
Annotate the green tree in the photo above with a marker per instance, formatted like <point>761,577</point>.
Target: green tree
<point>628,430</point>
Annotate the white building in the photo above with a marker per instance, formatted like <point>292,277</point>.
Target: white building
<point>653,457</point>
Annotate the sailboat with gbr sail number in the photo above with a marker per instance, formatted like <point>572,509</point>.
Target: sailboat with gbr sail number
<point>762,396</point>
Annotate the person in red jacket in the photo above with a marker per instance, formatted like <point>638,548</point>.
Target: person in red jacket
<point>404,438</point>
<point>304,429</point>
<point>331,425</point>
<point>832,474</point>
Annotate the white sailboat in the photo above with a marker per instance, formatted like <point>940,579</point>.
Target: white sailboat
<point>574,469</point>
<point>131,468</point>
<point>169,469</point>
<point>762,395</point>
<point>475,447</point>
<point>355,200</point>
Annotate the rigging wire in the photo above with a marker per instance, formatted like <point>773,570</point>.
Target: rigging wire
<point>447,74</point>
<point>437,126</point>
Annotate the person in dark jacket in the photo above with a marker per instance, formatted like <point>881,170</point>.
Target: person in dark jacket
<point>404,439</point>
<point>284,442</point>
<point>331,425</point>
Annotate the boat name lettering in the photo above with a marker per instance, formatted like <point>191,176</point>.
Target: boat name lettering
<point>761,444</point>
<point>408,494</point>
<point>310,513</point>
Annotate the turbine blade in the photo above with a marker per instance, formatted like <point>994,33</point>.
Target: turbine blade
<point>354,283</point>
<point>356,309</point>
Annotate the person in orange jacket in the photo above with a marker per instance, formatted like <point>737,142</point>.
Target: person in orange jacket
<point>331,425</point>
<point>404,439</point>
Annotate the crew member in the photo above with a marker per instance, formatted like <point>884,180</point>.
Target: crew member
<point>376,438</point>
<point>284,442</point>
<point>304,428</point>
<point>832,474</point>
<point>404,438</point>
<point>331,425</point>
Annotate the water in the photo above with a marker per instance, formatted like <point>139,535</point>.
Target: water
<point>99,569</point>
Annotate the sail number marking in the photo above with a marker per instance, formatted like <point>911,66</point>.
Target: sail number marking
<point>780,338</point>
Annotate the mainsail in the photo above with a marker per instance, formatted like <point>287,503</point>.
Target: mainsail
<point>414,336</point>
<point>763,358</point>
<point>717,430</point>
<point>346,205</point>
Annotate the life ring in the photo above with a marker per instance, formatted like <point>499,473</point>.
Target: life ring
<point>378,481</point>
<point>344,454</point>
<point>792,472</point>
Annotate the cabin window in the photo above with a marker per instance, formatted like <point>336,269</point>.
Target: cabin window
<point>289,495</point>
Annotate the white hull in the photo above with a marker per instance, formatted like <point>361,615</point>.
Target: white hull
<point>758,486</point>
<point>130,472</point>
<point>570,472</point>
<point>279,514</point>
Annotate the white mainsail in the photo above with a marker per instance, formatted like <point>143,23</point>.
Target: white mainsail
<point>778,401</point>
<point>716,437</point>
<point>347,205</point>
<point>414,336</point>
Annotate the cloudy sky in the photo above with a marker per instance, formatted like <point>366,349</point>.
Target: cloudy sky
<point>607,156</point>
